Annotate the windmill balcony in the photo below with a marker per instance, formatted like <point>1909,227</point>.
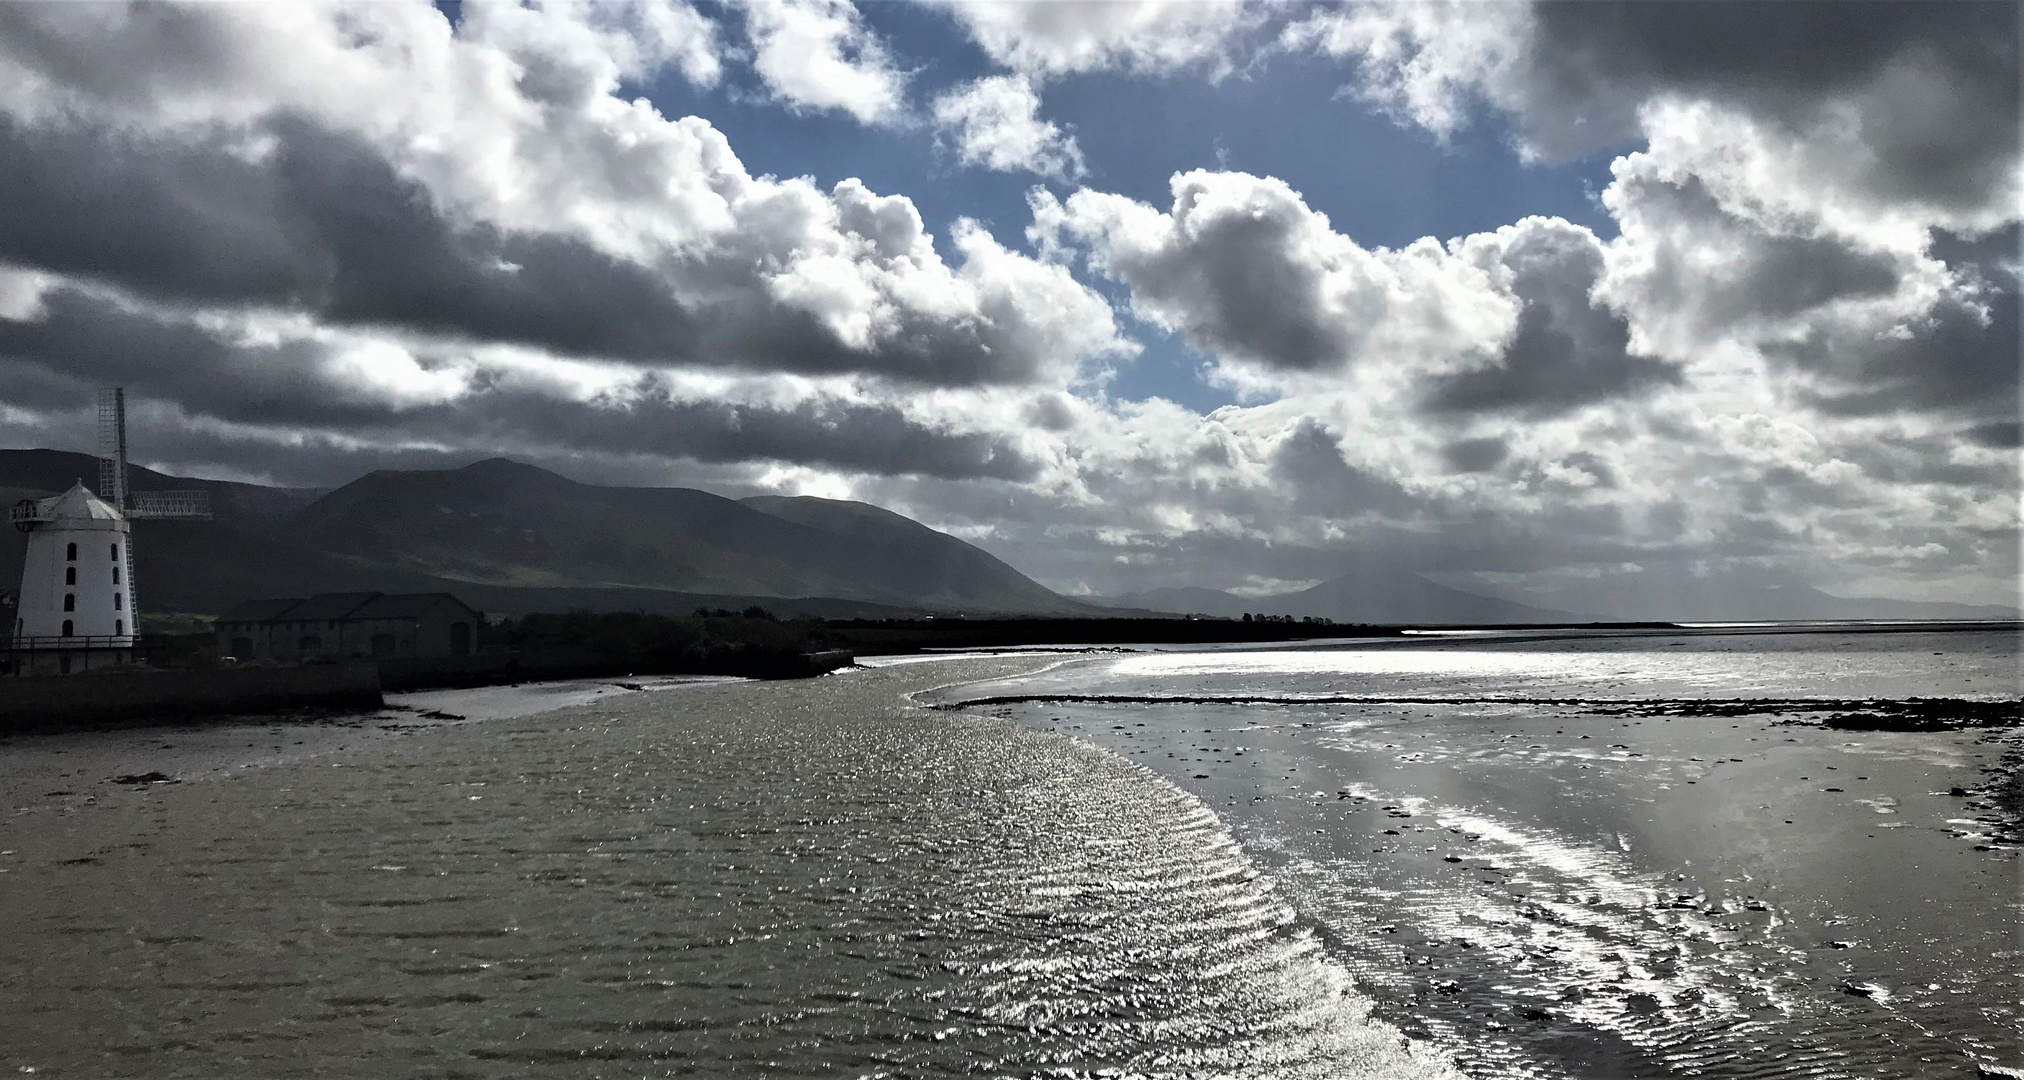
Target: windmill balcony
<point>75,642</point>
<point>30,511</point>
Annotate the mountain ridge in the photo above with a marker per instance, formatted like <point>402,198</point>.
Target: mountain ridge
<point>1436,603</point>
<point>514,538</point>
<point>521,536</point>
<point>1355,598</point>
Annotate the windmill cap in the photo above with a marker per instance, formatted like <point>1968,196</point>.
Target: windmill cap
<point>78,508</point>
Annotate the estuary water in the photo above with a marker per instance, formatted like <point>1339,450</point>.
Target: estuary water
<point>1617,855</point>
<point>807,879</point>
<point>1574,857</point>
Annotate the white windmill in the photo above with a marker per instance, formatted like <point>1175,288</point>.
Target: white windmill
<point>77,584</point>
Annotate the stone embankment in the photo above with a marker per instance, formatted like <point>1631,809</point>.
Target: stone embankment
<point>126,694</point>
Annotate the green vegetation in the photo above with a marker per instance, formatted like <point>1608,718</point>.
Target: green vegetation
<point>198,649</point>
<point>174,623</point>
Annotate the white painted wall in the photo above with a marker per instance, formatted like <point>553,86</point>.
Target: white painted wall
<point>85,558</point>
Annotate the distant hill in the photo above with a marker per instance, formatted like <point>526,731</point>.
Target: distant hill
<point>1406,598</point>
<point>502,523</point>
<point>1184,601</point>
<point>512,538</point>
<point>1741,597</point>
<point>1356,598</point>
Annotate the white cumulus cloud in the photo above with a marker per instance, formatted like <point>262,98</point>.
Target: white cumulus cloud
<point>1252,275</point>
<point>995,123</point>
<point>819,54</point>
<point>1056,38</point>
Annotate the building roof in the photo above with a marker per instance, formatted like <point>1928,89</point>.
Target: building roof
<point>79,502</point>
<point>327,606</point>
<point>258,610</point>
<point>406,605</point>
<point>342,607</point>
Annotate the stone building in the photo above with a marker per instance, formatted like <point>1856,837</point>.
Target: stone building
<point>332,626</point>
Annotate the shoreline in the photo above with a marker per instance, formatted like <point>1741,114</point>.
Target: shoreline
<point>33,762</point>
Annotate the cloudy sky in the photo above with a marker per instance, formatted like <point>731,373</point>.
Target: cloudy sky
<point>1228,293</point>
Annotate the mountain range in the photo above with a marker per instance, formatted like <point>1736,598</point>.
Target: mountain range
<point>1408,598</point>
<point>511,538</point>
<point>1393,598</point>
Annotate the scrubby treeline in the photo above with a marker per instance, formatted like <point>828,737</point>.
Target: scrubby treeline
<point>751,642</point>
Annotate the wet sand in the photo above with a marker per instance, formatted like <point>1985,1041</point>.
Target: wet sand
<point>81,763</point>
<point>1614,885</point>
<point>811,879</point>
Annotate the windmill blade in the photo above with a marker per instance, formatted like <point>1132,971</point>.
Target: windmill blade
<point>112,446</point>
<point>169,505</point>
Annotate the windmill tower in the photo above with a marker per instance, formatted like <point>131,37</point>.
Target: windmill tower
<point>76,606</point>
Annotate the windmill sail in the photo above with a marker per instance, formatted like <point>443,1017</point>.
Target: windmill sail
<point>169,505</point>
<point>112,451</point>
<point>112,470</point>
<point>112,487</point>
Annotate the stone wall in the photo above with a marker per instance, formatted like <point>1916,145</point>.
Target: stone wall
<point>143,693</point>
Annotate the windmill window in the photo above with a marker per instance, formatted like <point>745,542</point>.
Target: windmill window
<point>70,575</point>
<point>72,555</point>
<point>115,553</point>
<point>69,604</point>
<point>115,575</point>
<point>68,630</point>
<point>115,601</point>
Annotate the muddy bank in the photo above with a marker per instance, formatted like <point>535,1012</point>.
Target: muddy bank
<point>75,762</point>
<point>1913,714</point>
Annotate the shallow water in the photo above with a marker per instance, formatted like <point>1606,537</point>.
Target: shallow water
<point>806,879</point>
<point>1578,890</point>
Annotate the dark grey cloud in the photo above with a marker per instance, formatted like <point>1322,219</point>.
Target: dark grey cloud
<point>84,339</point>
<point>1252,276</point>
<point>1432,540</point>
<point>873,438</point>
<point>1962,357</point>
<point>1475,455</point>
<point>90,338</point>
<point>1308,465</point>
<point>2001,435</point>
<point>322,223</point>
<point>1705,274</point>
<point>1729,272</point>
<point>1243,286</point>
<point>1934,83</point>
<point>1930,460</point>
<point>1569,349</point>
<point>148,50</point>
